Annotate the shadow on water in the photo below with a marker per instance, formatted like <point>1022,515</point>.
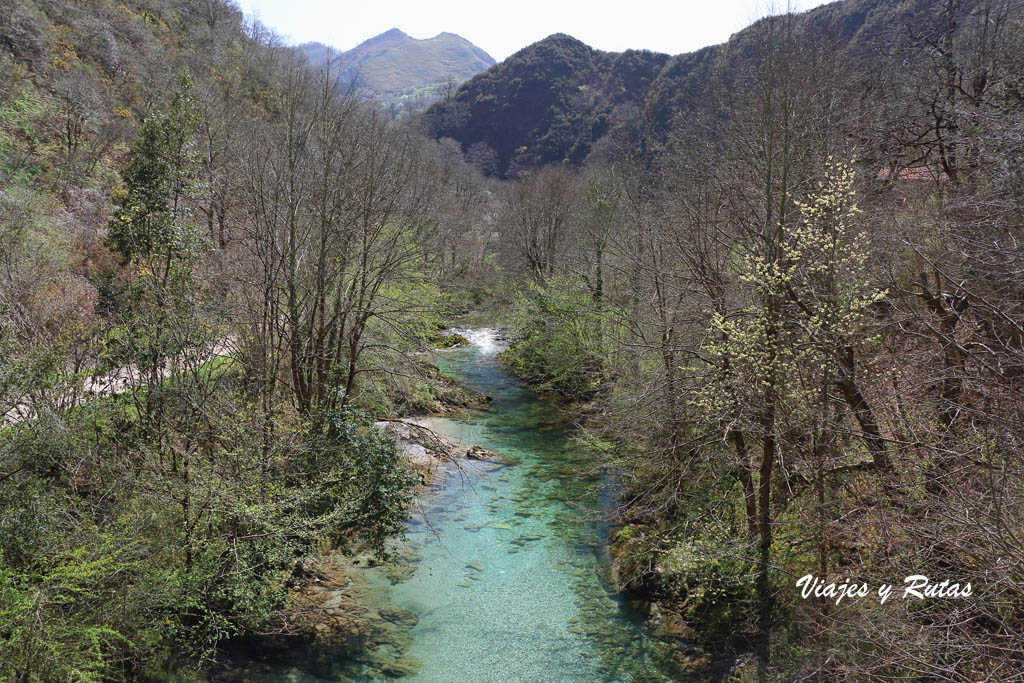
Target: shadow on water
<point>511,581</point>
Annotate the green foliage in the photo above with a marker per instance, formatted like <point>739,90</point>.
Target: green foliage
<point>711,583</point>
<point>449,341</point>
<point>418,309</point>
<point>559,338</point>
<point>421,390</point>
<point>701,574</point>
<point>362,480</point>
<point>819,279</point>
<point>160,174</point>
<point>153,233</point>
<point>42,635</point>
<point>115,559</point>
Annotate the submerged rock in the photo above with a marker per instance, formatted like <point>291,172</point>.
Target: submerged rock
<point>401,667</point>
<point>399,616</point>
<point>334,600</point>
<point>397,573</point>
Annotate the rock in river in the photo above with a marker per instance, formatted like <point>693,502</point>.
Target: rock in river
<point>399,616</point>
<point>479,453</point>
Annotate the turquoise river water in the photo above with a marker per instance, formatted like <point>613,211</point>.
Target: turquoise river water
<point>511,584</point>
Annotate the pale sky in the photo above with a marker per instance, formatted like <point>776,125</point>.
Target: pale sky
<point>501,28</point>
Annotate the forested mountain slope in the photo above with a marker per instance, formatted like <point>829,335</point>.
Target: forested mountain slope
<point>559,100</point>
<point>549,102</point>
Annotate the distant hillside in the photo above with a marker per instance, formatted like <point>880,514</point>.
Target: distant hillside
<point>558,100</point>
<point>549,101</point>
<point>402,71</point>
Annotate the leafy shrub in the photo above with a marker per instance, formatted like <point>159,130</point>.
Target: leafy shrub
<point>559,338</point>
<point>122,557</point>
<point>712,585</point>
<point>362,479</point>
<point>701,576</point>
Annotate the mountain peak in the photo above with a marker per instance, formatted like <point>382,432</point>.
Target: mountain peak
<point>393,67</point>
<point>390,36</point>
<point>562,38</point>
<point>560,41</point>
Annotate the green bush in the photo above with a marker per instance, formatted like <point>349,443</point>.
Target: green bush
<point>124,556</point>
<point>559,338</point>
<point>362,480</point>
<point>703,576</point>
<point>712,584</point>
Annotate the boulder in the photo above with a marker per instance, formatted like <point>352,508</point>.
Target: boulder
<point>417,454</point>
<point>452,340</point>
<point>478,452</point>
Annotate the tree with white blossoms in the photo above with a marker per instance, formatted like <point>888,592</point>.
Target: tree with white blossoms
<point>828,282</point>
<point>770,365</point>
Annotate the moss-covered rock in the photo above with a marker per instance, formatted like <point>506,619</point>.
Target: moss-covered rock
<point>425,390</point>
<point>450,341</point>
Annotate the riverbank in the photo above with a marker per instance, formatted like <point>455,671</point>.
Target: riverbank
<point>504,572</point>
<point>341,622</point>
<point>685,595</point>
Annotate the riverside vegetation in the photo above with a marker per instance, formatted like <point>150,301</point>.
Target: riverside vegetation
<point>776,284</point>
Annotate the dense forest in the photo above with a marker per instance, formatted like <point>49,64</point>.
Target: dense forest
<point>775,284</point>
<point>214,272</point>
<point>793,325</point>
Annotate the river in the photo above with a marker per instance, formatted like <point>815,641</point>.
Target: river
<point>511,583</point>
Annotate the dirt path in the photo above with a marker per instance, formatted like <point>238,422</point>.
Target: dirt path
<point>110,384</point>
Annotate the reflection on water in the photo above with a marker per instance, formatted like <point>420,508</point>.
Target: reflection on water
<point>509,585</point>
